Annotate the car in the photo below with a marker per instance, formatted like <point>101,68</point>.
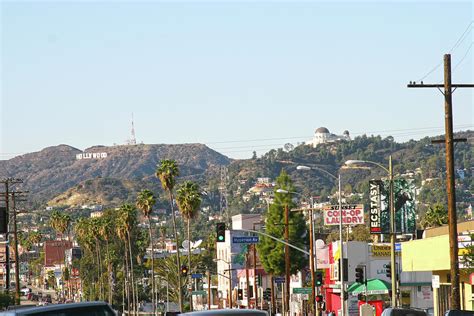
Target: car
<point>73,309</point>
<point>403,312</point>
<point>25,291</point>
<point>229,312</point>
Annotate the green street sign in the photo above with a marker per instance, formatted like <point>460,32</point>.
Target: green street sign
<point>302,290</point>
<point>198,292</point>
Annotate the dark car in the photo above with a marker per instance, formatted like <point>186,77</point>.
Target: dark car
<point>403,312</point>
<point>74,309</point>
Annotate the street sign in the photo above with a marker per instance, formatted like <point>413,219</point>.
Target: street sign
<point>435,281</point>
<point>279,280</point>
<point>198,292</point>
<point>398,247</point>
<point>196,276</point>
<point>245,240</point>
<point>302,290</point>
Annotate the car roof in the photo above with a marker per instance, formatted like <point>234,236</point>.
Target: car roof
<point>229,312</point>
<point>50,308</point>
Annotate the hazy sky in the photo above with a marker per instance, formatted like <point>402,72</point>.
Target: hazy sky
<point>239,76</point>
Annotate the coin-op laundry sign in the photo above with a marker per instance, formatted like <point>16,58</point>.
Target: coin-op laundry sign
<point>351,214</point>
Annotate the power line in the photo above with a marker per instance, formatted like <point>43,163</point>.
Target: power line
<point>462,59</point>
<point>455,46</point>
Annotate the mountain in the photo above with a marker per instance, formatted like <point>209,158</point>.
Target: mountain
<point>54,170</point>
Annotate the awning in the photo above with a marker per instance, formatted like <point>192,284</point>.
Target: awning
<point>374,286</point>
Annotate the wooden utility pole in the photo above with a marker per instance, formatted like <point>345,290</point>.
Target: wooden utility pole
<point>15,238</point>
<point>450,188</point>
<point>286,309</point>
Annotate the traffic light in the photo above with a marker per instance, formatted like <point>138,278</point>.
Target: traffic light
<point>359,275</point>
<point>259,280</point>
<point>240,294</point>
<point>267,294</point>
<point>319,278</point>
<point>3,220</point>
<point>184,270</point>
<point>319,298</point>
<point>220,230</point>
<point>388,270</point>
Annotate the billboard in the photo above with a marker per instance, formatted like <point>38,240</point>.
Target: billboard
<point>351,214</point>
<point>404,204</point>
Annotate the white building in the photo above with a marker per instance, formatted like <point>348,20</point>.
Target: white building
<point>323,136</point>
<point>229,257</point>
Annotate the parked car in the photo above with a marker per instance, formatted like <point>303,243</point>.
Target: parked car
<point>73,309</point>
<point>25,291</point>
<point>459,313</point>
<point>229,312</point>
<point>403,312</point>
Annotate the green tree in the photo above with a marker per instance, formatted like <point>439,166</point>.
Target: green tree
<point>167,171</point>
<point>436,216</point>
<point>145,202</point>
<point>188,198</point>
<point>272,253</point>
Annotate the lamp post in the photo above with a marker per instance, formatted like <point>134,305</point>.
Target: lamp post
<point>341,241</point>
<point>311,250</point>
<point>392,222</point>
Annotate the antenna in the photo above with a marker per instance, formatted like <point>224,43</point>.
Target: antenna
<point>133,139</point>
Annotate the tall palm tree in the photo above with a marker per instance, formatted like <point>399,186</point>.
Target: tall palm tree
<point>167,171</point>
<point>84,235</point>
<point>59,222</point>
<point>105,232</point>
<point>145,202</point>
<point>188,198</point>
<point>127,220</point>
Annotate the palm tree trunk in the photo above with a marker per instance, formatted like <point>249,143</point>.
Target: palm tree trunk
<point>152,267</point>
<point>109,270</point>
<point>97,252</point>
<point>126,279</point>
<point>134,294</point>
<point>178,262</point>
<point>189,261</point>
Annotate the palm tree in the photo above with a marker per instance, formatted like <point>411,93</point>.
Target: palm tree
<point>167,171</point>
<point>126,221</point>
<point>105,231</point>
<point>59,222</point>
<point>145,202</point>
<point>188,198</point>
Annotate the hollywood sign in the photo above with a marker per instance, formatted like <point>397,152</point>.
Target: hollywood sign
<point>91,156</point>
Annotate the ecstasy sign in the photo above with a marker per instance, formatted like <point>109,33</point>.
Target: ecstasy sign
<point>351,214</point>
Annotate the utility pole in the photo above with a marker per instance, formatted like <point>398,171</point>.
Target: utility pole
<point>255,274</point>
<point>7,182</point>
<point>450,188</point>
<point>15,238</point>
<point>286,309</point>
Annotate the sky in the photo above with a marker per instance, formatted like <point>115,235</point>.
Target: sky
<point>239,76</point>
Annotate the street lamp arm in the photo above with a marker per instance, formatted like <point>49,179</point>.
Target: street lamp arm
<point>274,238</point>
<point>354,162</point>
<point>316,168</point>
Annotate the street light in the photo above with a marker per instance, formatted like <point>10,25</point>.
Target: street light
<point>392,221</point>
<point>341,272</point>
<point>311,250</point>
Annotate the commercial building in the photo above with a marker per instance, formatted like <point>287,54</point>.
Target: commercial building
<point>431,254</point>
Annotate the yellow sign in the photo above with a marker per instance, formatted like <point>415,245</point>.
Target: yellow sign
<point>381,250</point>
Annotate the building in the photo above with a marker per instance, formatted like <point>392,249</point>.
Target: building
<point>415,287</point>
<point>232,260</point>
<point>54,252</point>
<point>323,136</point>
<point>431,254</point>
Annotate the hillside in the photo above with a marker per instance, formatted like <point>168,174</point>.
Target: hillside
<point>54,170</point>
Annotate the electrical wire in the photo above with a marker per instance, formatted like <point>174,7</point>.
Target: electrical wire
<point>462,59</point>
<point>455,46</point>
